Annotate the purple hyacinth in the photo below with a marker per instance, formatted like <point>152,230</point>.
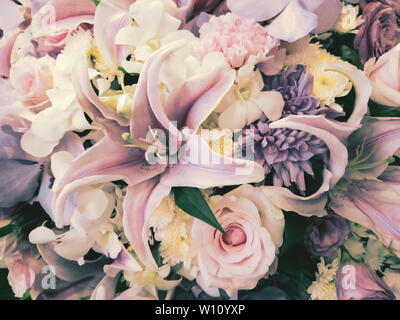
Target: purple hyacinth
<point>286,153</point>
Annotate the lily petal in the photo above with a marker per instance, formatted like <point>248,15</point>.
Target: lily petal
<point>122,163</point>
<point>362,87</point>
<point>315,203</point>
<point>209,169</point>
<point>380,138</point>
<point>371,203</point>
<point>139,204</point>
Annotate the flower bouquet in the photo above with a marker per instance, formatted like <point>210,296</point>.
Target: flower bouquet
<point>200,149</point>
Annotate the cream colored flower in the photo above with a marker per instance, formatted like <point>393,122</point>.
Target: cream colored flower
<point>323,288</point>
<point>349,19</point>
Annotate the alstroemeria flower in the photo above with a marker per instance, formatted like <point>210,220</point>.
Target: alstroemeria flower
<point>294,18</point>
<point>111,159</point>
<point>369,193</point>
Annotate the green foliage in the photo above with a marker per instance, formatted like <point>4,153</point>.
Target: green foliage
<point>24,220</point>
<point>192,201</point>
<point>6,292</point>
<point>295,228</point>
<point>96,2</point>
<point>294,262</point>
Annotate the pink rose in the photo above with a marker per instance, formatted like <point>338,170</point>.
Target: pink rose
<point>247,252</point>
<point>384,75</point>
<point>30,78</point>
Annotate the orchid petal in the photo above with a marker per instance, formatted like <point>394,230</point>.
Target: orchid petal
<point>140,202</point>
<point>293,23</point>
<point>259,10</point>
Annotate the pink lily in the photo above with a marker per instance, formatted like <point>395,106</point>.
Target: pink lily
<point>111,159</point>
<point>369,192</point>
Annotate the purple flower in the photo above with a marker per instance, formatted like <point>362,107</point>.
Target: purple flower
<point>283,152</point>
<point>326,234</point>
<point>355,281</point>
<point>381,30</point>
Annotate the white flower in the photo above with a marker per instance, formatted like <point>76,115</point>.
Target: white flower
<point>323,288</point>
<point>171,227</point>
<point>65,114</point>
<point>375,254</point>
<point>94,224</point>
<point>246,102</point>
<point>154,24</point>
<point>349,19</point>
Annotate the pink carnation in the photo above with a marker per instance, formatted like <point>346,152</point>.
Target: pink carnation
<point>237,38</point>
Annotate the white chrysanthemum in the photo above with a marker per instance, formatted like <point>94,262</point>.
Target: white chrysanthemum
<point>171,227</point>
<point>328,85</point>
<point>375,254</point>
<point>355,247</point>
<point>323,288</point>
<point>349,19</point>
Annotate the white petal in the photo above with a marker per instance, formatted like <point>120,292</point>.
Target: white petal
<point>42,235</point>
<point>234,117</point>
<point>271,103</point>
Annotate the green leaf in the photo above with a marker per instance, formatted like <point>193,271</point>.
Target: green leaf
<point>7,230</point>
<point>295,227</point>
<point>96,2</point>
<point>192,201</point>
